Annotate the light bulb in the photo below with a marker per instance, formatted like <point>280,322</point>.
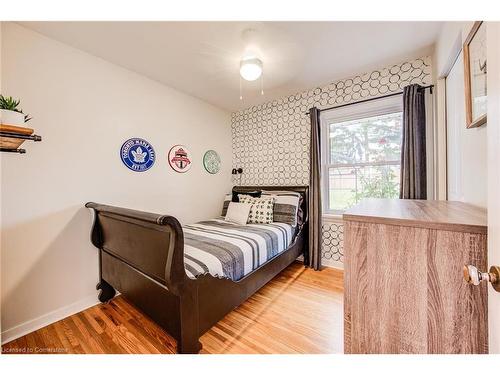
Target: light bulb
<point>250,69</point>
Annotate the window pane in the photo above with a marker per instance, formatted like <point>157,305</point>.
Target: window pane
<point>348,185</point>
<point>372,139</point>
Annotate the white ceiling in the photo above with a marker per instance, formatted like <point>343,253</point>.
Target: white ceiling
<point>202,58</point>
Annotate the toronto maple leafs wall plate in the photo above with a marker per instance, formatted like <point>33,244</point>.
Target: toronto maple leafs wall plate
<point>179,158</point>
<point>137,154</point>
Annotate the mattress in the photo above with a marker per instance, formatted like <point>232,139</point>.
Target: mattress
<point>230,250</point>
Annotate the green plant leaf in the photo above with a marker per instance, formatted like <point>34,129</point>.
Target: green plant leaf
<point>11,104</point>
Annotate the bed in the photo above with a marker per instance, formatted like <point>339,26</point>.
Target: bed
<point>165,270</point>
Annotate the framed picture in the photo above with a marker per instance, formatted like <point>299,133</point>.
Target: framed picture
<point>475,76</point>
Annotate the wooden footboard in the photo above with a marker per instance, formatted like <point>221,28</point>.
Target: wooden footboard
<point>151,243</point>
<point>142,256</point>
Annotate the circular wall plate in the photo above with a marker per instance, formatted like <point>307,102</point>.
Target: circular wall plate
<point>179,158</point>
<point>211,161</point>
<point>137,154</point>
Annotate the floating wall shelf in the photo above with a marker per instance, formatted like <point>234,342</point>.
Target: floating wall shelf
<point>11,137</point>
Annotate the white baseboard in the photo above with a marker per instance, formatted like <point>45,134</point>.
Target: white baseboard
<point>332,264</point>
<point>327,263</point>
<point>49,318</point>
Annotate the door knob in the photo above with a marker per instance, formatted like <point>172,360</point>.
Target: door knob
<point>473,276</point>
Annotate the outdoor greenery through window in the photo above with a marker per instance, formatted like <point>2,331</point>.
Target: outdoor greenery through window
<point>363,160</point>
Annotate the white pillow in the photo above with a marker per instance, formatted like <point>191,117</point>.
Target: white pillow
<point>238,212</point>
<point>262,209</point>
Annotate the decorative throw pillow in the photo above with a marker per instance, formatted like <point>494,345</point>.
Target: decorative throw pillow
<point>238,213</point>
<point>286,205</point>
<point>225,205</point>
<point>255,194</point>
<point>261,211</point>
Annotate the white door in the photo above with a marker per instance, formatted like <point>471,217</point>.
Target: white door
<point>473,161</point>
<point>493,129</point>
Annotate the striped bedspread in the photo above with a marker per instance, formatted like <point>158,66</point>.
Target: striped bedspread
<point>229,250</point>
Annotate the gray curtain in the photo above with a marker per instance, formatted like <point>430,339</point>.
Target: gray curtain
<point>313,258</point>
<point>413,151</point>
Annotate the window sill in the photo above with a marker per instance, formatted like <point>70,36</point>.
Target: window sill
<point>332,217</point>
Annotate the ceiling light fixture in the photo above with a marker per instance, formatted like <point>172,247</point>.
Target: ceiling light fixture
<point>250,69</point>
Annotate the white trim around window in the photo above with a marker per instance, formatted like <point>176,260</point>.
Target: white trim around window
<point>373,108</point>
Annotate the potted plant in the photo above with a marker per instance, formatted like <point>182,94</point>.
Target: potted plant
<point>12,120</point>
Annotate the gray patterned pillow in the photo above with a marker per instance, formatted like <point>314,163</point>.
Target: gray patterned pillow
<point>261,211</point>
<point>286,205</point>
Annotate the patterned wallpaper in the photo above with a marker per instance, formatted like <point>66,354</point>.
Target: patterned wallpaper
<point>271,141</point>
<point>332,242</point>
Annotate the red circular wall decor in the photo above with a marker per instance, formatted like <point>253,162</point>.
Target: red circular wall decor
<point>179,158</point>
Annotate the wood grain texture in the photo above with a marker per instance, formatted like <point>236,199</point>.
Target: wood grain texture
<point>13,143</point>
<point>442,215</point>
<point>404,291</point>
<point>299,311</point>
<point>16,129</point>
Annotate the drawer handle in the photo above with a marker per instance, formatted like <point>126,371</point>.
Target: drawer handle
<point>473,276</point>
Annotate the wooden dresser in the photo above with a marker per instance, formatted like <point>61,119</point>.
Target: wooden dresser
<point>404,287</point>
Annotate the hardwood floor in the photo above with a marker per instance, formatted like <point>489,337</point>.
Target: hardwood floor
<point>299,311</point>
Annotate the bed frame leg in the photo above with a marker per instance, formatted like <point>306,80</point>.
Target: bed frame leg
<point>189,346</point>
<point>189,336</point>
<point>107,291</point>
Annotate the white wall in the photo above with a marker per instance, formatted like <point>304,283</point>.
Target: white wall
<point>467,154</point>
<point>84,108</point>
<point>1,56</point>
<point>449,44</point>
<point>466,149</point>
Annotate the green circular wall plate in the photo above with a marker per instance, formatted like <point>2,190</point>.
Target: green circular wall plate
<point>211,162</point>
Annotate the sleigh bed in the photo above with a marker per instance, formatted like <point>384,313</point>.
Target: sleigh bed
<point>151,260</point>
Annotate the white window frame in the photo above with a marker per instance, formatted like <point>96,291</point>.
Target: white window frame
<point>378,107</point>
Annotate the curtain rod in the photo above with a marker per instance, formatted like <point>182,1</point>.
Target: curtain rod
<point>370,99</point>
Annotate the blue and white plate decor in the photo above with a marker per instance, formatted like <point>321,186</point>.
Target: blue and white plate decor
<point>137,154</point>
<point>211,161</point>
